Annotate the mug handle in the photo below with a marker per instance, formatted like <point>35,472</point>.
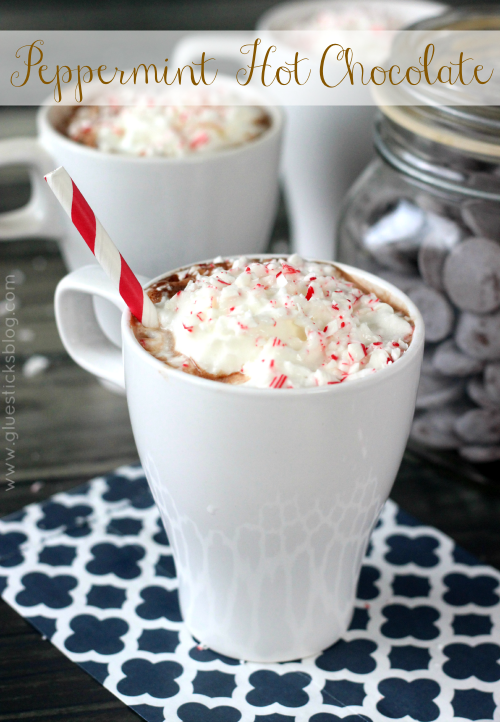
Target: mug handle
<point>78,327</point>
<point>40,216</point>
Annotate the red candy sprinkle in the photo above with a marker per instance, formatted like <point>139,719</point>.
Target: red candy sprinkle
<point>310,293</point>
<point>188,328</point>
<point>325,329</point>
<point>199,140</point>
<point>289,269</point>
<point>278,381</point>
<point>278,274</point>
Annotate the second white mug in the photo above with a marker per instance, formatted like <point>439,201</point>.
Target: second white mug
<point>161,212</point>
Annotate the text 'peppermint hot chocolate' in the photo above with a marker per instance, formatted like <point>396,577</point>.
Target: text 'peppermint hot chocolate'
<point>280,323</point>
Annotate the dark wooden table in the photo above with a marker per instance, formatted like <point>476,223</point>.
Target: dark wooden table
<point>70,428</point>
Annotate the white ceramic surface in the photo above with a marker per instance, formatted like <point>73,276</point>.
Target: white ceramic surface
<point>268,496</point>
<point>326,148</point>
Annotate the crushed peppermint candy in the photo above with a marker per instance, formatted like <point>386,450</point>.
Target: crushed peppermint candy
<point>173,131</point>
<point>280,323</point>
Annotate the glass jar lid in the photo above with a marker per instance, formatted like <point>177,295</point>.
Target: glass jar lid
<point>440,112</point>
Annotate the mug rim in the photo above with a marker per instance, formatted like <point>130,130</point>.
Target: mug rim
<point>46,125</point>
<point>408,357</point>
<point>295,8</point>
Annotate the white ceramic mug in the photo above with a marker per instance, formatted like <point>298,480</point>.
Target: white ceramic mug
<point>327,147</point>
<point>268,496</point>
<point>161,212</point>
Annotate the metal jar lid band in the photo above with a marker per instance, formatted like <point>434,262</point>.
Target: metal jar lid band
<point>407,169</point>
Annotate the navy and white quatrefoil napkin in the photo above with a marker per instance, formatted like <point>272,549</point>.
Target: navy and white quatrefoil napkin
<point>92,570</point>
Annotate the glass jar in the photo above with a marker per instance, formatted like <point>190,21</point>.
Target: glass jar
<point>425,215</point>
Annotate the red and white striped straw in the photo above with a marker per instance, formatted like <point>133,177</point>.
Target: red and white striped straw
<point>103,248</point>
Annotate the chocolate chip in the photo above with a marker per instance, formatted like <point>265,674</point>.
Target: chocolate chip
<point>397,257</point>
<point>471,275</point>
<point>435,391</point>
<point>436,428</point>
<point>480,454</point>
<point>450,361</point>
<point>492,382</point>
<point>479,336</point>
<point>403,281</point>
<point>476,391</point>
<point>439,207</point>
<point>440,237</point>
<point>479,426</point>
<point>387,203</point>
<point>430,264</point>
<point>394,238</point>
<point>436,311</point>
<point>428,368</point>
<point>482,218</point>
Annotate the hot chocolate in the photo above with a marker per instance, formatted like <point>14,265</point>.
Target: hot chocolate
<point>274,323</point>
<point>169,131</point>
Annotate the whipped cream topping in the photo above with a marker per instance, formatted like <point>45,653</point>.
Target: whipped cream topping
<point>149,129</point>
<point>283,323</point>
